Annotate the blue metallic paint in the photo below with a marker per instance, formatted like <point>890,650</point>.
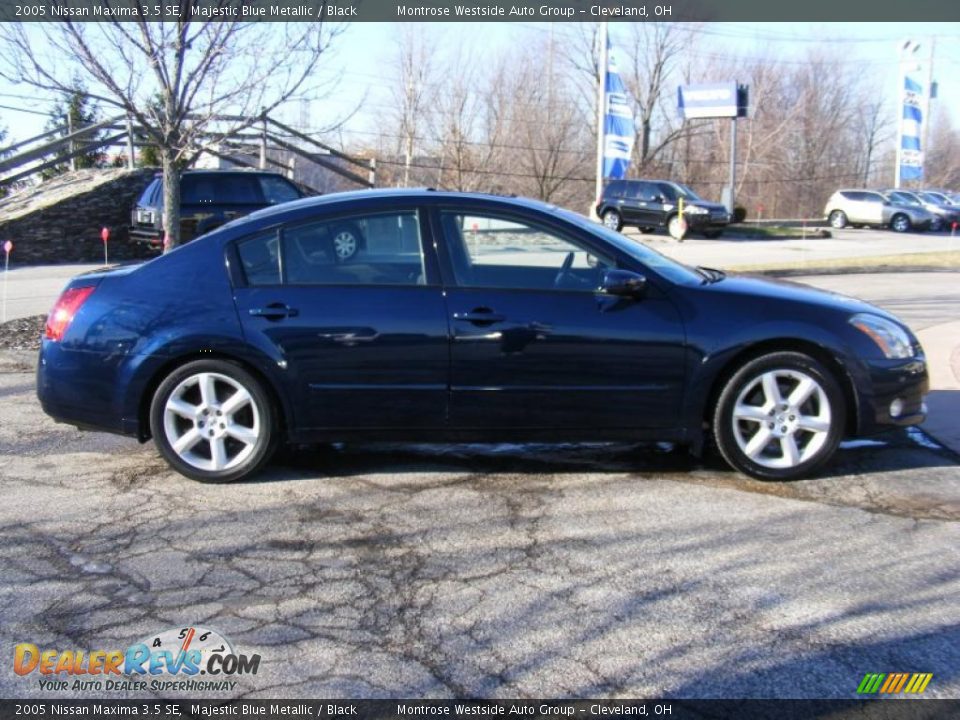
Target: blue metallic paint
<point>385,361</point>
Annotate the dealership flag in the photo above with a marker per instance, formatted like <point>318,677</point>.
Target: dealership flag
<point>618,126</point>
<point>911,154</point>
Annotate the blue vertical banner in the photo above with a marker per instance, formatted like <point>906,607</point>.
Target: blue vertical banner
<point>619,130</point>
<point>911,129</point>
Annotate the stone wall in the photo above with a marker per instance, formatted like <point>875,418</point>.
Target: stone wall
<point>60,220</point>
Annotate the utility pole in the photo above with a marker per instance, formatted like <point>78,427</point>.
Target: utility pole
<point>601,105</point>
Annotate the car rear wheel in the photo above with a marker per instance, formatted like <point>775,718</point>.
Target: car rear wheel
<point>212,421</point>
<point>612,220</point>
<point>779,417</point>
<point>838,219</point>
<point>900,223</point>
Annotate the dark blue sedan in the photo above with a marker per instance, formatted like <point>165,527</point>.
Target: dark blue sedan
<point>464,318</point>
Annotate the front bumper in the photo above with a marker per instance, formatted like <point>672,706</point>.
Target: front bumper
<point>891,392</point>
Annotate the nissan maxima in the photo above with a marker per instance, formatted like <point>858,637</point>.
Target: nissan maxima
<point>464,317</point>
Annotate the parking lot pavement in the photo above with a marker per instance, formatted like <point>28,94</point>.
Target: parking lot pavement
<point>33,290</point>
<point>848,243</point>
<point>540,571</point>
<point>535,570</point>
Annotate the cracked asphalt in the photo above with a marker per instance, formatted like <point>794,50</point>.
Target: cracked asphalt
<point>494,571</point>
<point>538,571</point>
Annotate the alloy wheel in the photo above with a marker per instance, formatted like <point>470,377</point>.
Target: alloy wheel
<point>212,422</point>
<point>611,220</point>
<point>345,245</point>
<point>781,419</point>
<point>901,223</point>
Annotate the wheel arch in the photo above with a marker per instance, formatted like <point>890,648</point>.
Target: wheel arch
<point>786,344</point>
<point>157,376</point>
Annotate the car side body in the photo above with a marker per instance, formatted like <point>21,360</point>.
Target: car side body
<point>868,207</point>
<point>411,350</point>
<point>655,204</point>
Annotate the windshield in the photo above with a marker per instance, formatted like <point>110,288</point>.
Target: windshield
<point>904,198</point>
<point>687,192</point>
<point>932,198</point>
<point>670,269</point>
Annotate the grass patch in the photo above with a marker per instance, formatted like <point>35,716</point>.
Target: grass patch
<point>940,260</point>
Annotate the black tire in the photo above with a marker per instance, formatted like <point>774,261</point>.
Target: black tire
<point>821,443</point>
<point>345,242</point>
<point>900,223</point>
<point>712,234</point>
<point>265,424</point>
<point>612,220</point>
<point>838,219</point>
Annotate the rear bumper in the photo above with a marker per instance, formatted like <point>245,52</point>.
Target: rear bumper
<point>146,236</point>
<point>79,388</point>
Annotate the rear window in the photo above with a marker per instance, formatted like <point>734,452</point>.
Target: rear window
<point>220,190</point>
<point>616,188</point>
<point>151,194</point>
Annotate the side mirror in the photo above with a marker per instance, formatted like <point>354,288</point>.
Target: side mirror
<point>623,283</point>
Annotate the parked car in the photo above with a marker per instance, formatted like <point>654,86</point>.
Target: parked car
<point>465,318</point>
<point>938,199</point>
<point>943,214</point>
<point>868,207</point>
<point>208,199</point>
<point>652,204</point>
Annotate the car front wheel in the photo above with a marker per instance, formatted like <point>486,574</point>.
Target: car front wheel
<point>212,421</point>
<point>779,417</point>
<point>900,223</point>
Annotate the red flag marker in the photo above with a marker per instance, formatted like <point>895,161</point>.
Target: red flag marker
<point>105,235</point>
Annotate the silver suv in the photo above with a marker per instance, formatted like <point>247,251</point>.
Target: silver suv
<point>866,207</point>
<point>944,214</point>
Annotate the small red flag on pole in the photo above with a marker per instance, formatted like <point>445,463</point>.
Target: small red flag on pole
<point>105,236</point>
<point>7,249</point>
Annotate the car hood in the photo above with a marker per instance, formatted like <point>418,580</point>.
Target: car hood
<point>763,288</point>
<point>712,206</point>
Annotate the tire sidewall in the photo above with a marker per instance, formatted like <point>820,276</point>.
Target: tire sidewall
<point>612,213</point>
<point>723,413</point>
<point>906,225</point>
<point>838,219</point>
<point>268,421</point>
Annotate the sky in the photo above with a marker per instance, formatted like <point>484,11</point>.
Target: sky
<point>362,62</point>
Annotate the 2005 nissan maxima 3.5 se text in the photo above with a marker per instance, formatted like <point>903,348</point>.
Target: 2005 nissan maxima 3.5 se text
<point>464,318</point>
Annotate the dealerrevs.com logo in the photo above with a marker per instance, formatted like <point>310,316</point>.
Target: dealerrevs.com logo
<point>186,659</point>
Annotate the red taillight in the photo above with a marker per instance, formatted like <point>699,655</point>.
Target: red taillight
<point>63,312</point>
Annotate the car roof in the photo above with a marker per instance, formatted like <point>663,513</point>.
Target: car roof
<point>429,194</point>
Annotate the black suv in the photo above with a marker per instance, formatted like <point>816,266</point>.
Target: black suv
<point>652,204</point>
<point>208,199</point>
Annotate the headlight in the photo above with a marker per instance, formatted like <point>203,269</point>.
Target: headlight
<point>892,339</point>
<point>695,210</point>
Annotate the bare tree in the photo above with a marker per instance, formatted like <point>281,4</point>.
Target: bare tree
<point>874,127</point>
<point>413,57</point>
<point>195,80</point>
<point>654,51</point>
